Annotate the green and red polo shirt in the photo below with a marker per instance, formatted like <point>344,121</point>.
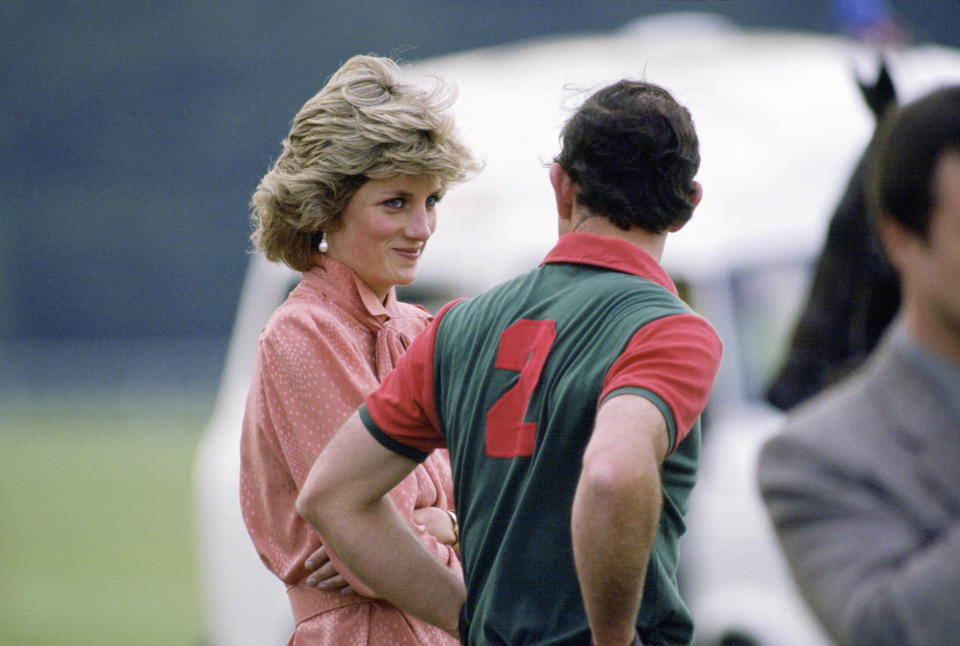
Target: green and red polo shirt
<point>510,382</point>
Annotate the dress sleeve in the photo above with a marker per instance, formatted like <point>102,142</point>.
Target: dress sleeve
<point>313,378</point>
<point>306,382</point>
<point>672,361</point>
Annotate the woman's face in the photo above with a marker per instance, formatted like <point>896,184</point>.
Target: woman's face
<point>385,228</point>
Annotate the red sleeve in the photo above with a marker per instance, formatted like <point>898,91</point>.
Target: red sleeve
<point>402,413</point>
<point>674,358</point>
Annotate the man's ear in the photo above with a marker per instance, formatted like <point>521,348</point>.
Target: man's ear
<point>562,191</point>
<point>694,198</point>
<point>696,195</point>
<point>896,241</point>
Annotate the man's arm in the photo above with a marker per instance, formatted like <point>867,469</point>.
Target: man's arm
<point>616,512</point>
<point>345,499</point>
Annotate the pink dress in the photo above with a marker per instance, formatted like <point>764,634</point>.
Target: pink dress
<point>328,345</point>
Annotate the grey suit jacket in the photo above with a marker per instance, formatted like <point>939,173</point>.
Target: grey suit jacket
<point>863,487</point>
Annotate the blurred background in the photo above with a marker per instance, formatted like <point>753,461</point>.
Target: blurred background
<point>133,135</point>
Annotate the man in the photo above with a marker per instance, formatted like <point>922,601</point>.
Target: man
<point>569,399</point>
<point>864,484</point>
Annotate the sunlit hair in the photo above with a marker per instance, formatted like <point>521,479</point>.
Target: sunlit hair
<point>632,153</point>
<point>364,124</point>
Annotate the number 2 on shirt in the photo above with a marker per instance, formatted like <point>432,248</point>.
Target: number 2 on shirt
<point>524,346</point>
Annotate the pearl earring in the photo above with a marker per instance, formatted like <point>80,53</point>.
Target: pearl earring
<point>323,246</point>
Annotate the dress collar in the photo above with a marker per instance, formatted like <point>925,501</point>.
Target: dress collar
<point>609,253</point>
<point>341,283</point>
<point>388,322</point>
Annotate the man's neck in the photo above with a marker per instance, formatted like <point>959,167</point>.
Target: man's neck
<point>933,333</point>
<point>652,243</point>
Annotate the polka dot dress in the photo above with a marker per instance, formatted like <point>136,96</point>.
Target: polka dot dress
<point>328,345</point>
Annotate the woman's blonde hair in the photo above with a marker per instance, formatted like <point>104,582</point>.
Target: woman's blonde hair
<point>364,124</point>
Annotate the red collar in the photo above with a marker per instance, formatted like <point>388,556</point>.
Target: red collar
<point>610,253</point>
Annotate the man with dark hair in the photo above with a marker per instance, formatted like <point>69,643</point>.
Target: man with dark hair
<point>569,399</point>
<point>863,485</point>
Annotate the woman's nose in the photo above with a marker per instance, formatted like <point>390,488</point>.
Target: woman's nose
<point>421,224</point>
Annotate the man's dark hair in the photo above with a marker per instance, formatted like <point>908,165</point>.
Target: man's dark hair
<point>907,151</point>
<point>632,152</point>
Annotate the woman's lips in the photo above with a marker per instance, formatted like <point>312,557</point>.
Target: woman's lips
<point>409,254</point>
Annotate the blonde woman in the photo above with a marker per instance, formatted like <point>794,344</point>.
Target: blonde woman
<point>350,203</point>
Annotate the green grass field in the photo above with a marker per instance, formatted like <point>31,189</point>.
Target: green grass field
<point>96,523</point>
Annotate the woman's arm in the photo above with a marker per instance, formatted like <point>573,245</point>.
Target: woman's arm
<point>305,384</point>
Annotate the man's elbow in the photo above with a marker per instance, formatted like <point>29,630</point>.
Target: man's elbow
<point>310,503</point>
<point>613,478</point>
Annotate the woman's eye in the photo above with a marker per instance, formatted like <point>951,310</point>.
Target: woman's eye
<point>433,200</point>
<point>395,203</point>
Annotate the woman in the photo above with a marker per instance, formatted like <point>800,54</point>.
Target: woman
<point>350,203</point>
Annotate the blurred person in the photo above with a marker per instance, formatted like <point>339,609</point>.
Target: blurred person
<point>569,398</point>
<point>855,292</point>
<point>350,203</point>
<point>863,485</point>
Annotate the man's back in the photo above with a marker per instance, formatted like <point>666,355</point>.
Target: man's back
<point>519,374</point>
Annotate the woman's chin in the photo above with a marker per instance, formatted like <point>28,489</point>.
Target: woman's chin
<point>405,278</point>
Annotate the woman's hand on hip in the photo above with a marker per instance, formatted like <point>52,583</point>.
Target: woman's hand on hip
<point>324,574</point>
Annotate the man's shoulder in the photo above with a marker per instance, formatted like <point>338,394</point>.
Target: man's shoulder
<point>861,401</point>
<point>842,401</point>
<point>843,425</point>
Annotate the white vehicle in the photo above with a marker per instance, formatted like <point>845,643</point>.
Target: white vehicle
<point>781,124</point>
